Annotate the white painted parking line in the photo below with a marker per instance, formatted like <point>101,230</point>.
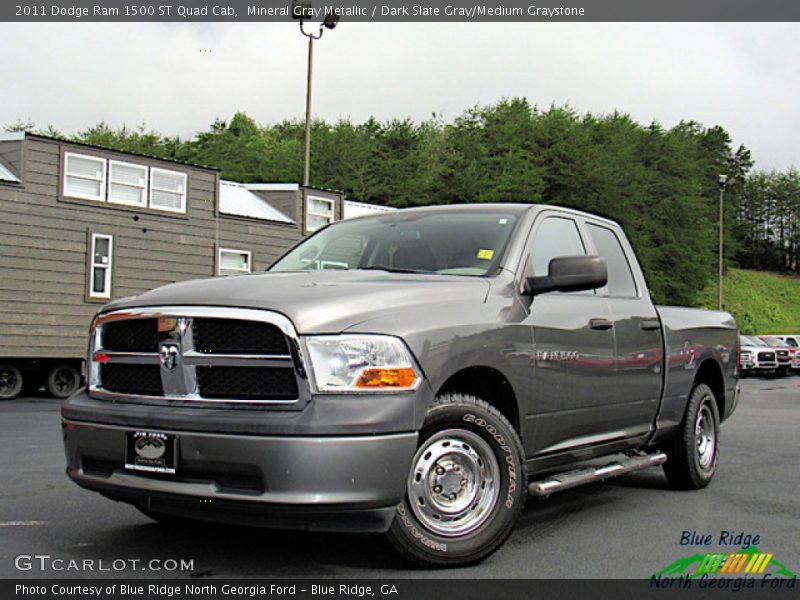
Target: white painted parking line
<point>21,523</point>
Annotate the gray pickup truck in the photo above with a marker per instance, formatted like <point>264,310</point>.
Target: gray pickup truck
<point>418,373</point>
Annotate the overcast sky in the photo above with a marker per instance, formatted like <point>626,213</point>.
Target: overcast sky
<point>179,77</point>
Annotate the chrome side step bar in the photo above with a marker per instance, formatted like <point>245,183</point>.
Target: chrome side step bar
<point>571,479</point>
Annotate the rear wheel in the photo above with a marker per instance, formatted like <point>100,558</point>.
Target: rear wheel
<point>10,382</point>
<point>693,453</point>
<point>63,381</point>
<point>466,487</point>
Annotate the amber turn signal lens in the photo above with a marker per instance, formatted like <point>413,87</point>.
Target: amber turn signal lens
<point>390,378</point>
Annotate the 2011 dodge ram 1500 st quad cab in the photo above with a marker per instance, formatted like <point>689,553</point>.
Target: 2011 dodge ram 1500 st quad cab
<point>417,373</point>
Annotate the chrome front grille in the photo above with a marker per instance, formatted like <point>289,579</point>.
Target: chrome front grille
<point>197,355</point>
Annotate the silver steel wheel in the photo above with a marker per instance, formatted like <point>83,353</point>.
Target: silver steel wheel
<point>706,436</point>
<point>454,482</point>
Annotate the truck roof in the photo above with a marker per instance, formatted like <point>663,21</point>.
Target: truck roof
<point>516,208</point>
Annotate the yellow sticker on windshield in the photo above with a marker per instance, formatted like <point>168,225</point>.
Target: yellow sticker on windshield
<point>485,254</point>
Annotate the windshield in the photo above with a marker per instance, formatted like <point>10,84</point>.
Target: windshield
<point>468,243</point>
<point>775,342</point>
<point>754,341</point>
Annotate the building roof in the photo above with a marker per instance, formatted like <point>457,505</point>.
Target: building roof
<point>236,199</point>
<point>288,187</point>
<point>11,136</point>
<point>21,135</point>
<point>7,175</point>
<point>272,187</point>
<point>359,209</point>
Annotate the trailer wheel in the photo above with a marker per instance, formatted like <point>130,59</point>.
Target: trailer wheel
<point>10,382</point>
<point>63,380</point>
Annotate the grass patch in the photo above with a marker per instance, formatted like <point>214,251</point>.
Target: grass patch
<point>761,302</point>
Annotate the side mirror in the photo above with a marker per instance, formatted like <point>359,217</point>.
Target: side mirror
<point>569,274</point>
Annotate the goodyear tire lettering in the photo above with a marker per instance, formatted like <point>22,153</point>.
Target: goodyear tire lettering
<point>509,456</point>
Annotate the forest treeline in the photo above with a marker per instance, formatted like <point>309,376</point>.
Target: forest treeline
<point>660,183</point>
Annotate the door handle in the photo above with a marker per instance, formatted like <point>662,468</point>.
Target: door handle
<point>601,324</point>
<point>649,325</point>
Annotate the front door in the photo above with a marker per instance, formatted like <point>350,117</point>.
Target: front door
<point>573,351</point>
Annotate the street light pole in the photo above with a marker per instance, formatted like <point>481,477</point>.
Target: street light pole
<point>307,160</point>
<point>723,182</point>
<point>299,11</point>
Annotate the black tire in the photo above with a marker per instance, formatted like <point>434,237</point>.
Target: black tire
<point>62,381</point>
<point>693,454</point>
<point>10,382</point>
<point>476,425</point>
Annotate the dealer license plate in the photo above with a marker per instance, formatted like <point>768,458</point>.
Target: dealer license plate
<point>151,451</point>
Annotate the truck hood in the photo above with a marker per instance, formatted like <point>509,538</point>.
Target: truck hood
<point>317,301</point>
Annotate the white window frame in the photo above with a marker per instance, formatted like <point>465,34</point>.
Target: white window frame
<point>143,187</point>
<point>247,253</point>
<point>93,265</point>
<point>152,187</point>
<point>311,213</point>
<point>102,180</point>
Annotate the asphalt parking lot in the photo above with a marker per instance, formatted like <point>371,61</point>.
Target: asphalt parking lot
<point>625,528</point>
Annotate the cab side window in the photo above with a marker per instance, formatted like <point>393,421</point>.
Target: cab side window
<point>620,277</point>
<point>556,236</point>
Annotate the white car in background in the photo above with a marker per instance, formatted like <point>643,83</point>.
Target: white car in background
<point>756,357</point>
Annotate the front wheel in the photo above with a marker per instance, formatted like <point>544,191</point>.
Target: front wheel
<point>466,487</point>
<point>693,453</point>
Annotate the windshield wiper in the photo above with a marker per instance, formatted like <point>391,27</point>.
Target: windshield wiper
<point>395,270</point>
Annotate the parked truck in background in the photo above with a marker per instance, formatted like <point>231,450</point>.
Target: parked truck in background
<point>418,374</point>
<point>793,342</point>
<point>756,357</point>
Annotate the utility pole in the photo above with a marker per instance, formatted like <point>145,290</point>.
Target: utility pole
<point>299,11</point>
<point>723,181</point>
<point>307,161</point>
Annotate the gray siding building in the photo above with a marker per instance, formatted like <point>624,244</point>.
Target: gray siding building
<point>82,225</point>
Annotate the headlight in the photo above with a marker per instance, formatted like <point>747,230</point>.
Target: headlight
<point>361,363</point>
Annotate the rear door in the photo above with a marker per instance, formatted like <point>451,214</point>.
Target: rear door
<point>638,354</point>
